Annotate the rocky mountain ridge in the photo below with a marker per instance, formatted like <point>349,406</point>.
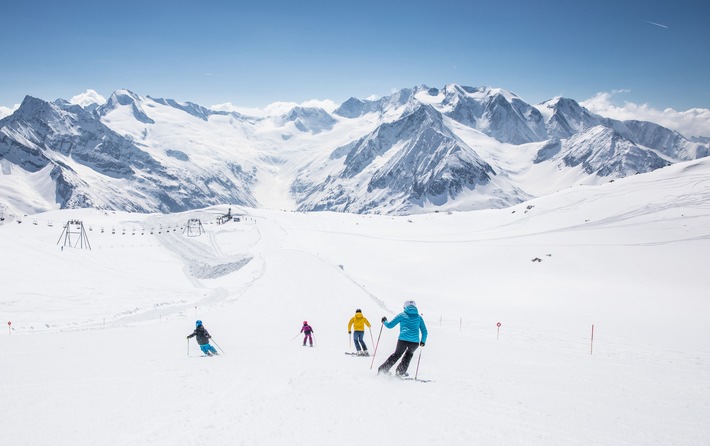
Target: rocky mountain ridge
<point>417,150</point>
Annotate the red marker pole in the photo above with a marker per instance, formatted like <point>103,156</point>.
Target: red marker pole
<point>591,343</point>
<point>498,334</point>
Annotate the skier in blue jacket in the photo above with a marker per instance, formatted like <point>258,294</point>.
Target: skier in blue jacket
<point>410,324</point>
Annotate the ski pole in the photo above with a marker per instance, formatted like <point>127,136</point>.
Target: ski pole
<point>215,343</point>
<point>378,343</point>
<point>416,373</point>
<point>299,334</point>
<point>188,346</point>
<point>315,344</point>
<point>371,338</point>
<point>348,340</point>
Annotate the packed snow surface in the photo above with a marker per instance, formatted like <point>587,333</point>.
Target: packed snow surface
<point>96,353</point>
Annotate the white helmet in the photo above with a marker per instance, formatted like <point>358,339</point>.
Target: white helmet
<point>409,303</point>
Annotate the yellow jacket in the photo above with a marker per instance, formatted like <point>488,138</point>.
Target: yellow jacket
<point>359,321</point>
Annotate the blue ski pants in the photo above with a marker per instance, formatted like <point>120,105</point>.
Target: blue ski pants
<point>359,342</point>
<point>207,348</point>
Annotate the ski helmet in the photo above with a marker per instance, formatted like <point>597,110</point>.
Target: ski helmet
<point>358,311</point>
<point>409,303</point>
<point>305,322</point>
<point>198,322</point>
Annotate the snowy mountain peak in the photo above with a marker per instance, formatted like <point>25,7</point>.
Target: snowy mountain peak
<point>57,117</point>
<point>394,104</point>
<point>564,117</point>
<point>352,108</point>
<point>31,106</point>
<point>309,119</point>
<point>564,106</point>
<point>483,93</point>
<point>425,116</point>
<point>188,107</point>
<point>121,99</point>
<point>496,112</point>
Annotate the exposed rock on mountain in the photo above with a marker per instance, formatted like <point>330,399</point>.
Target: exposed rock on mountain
<point>417,150</point>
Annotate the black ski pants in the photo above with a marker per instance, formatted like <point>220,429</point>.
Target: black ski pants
<point>405,348</point>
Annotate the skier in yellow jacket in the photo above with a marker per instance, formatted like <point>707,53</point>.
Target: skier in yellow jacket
<point>358,322</point>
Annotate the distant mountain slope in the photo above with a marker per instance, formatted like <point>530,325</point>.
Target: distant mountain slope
<point>417,150</point>
<point>91,165</point>
<point>410,161</point>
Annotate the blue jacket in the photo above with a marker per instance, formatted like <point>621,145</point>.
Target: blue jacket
<point>410,325</point>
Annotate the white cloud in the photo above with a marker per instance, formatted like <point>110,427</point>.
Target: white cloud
<point>325,104</point>
<point>227,106</point>
<point>693,122</point>
<point>87,98</point>
<point>276,108</point>
<point>7,111</point>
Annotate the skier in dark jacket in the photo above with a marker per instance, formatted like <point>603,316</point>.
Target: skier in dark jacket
<point>203,339</point>
<point>307,331</point>
<point>410,324</point>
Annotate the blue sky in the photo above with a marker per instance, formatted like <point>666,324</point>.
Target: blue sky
<point>256,53</point>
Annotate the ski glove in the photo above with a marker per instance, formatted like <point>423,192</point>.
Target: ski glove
<point>349,332</point>
<point>384,318</point>
<point>422,344</point>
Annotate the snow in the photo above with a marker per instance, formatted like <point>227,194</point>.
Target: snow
<point>546,108</point>
<point>37,188</point>
<point>219,141</point>
<point>96,353</point>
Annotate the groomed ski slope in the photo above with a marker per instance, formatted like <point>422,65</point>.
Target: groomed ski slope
<point>97,354</point>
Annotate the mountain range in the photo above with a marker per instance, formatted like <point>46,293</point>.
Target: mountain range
<point>418,150</point>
